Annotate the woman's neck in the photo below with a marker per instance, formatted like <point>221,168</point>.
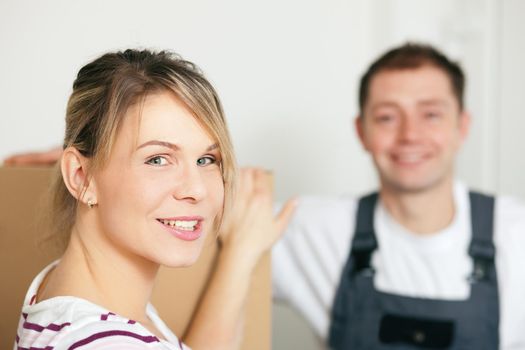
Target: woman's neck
<point>96,269</point>
<point>422,212</point>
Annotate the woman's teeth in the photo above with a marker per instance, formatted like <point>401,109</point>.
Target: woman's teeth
<point>188,225</point>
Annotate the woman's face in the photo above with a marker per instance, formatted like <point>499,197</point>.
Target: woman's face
<point>161,188</point>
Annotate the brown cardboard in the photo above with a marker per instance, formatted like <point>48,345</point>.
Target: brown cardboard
<point>175,296</point>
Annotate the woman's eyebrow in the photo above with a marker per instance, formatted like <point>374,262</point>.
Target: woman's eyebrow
<point>159,143</point>
<point>212,147</point>
<point>172,145</point>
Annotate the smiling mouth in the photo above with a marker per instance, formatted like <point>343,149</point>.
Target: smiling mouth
<point>410,158</point>
<point>184,225</point>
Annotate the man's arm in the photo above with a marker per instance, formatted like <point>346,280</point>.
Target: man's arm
<point>45,158</point>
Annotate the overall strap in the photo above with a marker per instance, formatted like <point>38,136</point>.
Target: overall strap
<point>482,249</point>
<point>364,242</point>
<point>363,245</point>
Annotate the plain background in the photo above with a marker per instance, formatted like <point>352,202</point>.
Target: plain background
<point>287,72</point>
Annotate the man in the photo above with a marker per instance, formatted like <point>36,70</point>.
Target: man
<point>423,263</point>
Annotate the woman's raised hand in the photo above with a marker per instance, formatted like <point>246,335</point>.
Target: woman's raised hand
<point>251,228</point>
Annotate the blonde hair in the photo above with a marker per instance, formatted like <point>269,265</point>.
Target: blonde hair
<point>102,93</point>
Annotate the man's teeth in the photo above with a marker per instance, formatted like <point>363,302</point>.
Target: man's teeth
<point>188,225</point>
<point>410,158</point>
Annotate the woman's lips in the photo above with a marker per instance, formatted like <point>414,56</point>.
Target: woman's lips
<point>187,228</point>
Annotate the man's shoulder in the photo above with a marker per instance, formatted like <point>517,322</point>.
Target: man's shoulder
<point>510,210</point>
<point>512,204</point>
<point>507,207</point>
<point>509,224</point>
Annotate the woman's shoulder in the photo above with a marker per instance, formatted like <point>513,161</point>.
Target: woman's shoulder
<point>75,323</point>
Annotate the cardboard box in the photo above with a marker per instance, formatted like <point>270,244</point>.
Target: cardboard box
<point>22,257</point>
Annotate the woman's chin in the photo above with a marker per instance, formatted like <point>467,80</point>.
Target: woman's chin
<point>185,259</point>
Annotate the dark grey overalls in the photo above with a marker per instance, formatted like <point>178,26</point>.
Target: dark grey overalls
<point>365,318</point>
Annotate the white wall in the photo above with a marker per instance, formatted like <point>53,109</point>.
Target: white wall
<point>287,72</point>
<point>511,92</point>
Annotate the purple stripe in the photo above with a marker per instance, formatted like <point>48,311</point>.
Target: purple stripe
<point>96,336</point>
<point>132,322</point>
<point>104,317</point>
<point>57,327</point>
<point>33,348</point>
<point>33,326</point>
<point>39,328</point>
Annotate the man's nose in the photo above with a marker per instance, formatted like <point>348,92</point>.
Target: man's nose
<point>409,128</point>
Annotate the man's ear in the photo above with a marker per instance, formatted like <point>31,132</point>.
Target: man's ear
<point>359,128</point>
<point>464,125</point>
<point>74,167</point>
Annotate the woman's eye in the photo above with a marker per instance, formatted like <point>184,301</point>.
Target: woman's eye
<point>203,161</point>
<point>157,161</point>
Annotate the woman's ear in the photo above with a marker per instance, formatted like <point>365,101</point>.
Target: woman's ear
<point>74,167</point>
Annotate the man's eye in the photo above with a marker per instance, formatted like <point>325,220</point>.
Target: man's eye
<point>385,118</point>
<point>157,161</point>
<point>203,161</point>
<point>432,115</point>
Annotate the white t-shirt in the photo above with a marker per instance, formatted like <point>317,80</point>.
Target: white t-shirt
<point>308,261</point>
<point>67,322</point>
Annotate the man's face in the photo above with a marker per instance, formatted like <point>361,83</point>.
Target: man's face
<point>412,126</point>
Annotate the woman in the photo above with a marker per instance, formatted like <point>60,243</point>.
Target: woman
<point>145,173</point>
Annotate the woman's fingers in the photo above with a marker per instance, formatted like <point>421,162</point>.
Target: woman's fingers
<point>284,216</point>
<point>252,226</point>
<point>246,184</point>
<point>263,182</point>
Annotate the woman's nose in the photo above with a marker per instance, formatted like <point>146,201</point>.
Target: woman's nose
<point>191,186</point>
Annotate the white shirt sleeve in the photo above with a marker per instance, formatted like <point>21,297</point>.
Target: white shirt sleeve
<point>307,262</point>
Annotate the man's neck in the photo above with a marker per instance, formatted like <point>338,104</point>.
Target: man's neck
<point>422,212</point>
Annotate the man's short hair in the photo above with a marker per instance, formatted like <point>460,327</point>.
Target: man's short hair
<point>411,56</point>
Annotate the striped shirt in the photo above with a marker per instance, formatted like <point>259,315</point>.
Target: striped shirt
<point>67,323</point>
